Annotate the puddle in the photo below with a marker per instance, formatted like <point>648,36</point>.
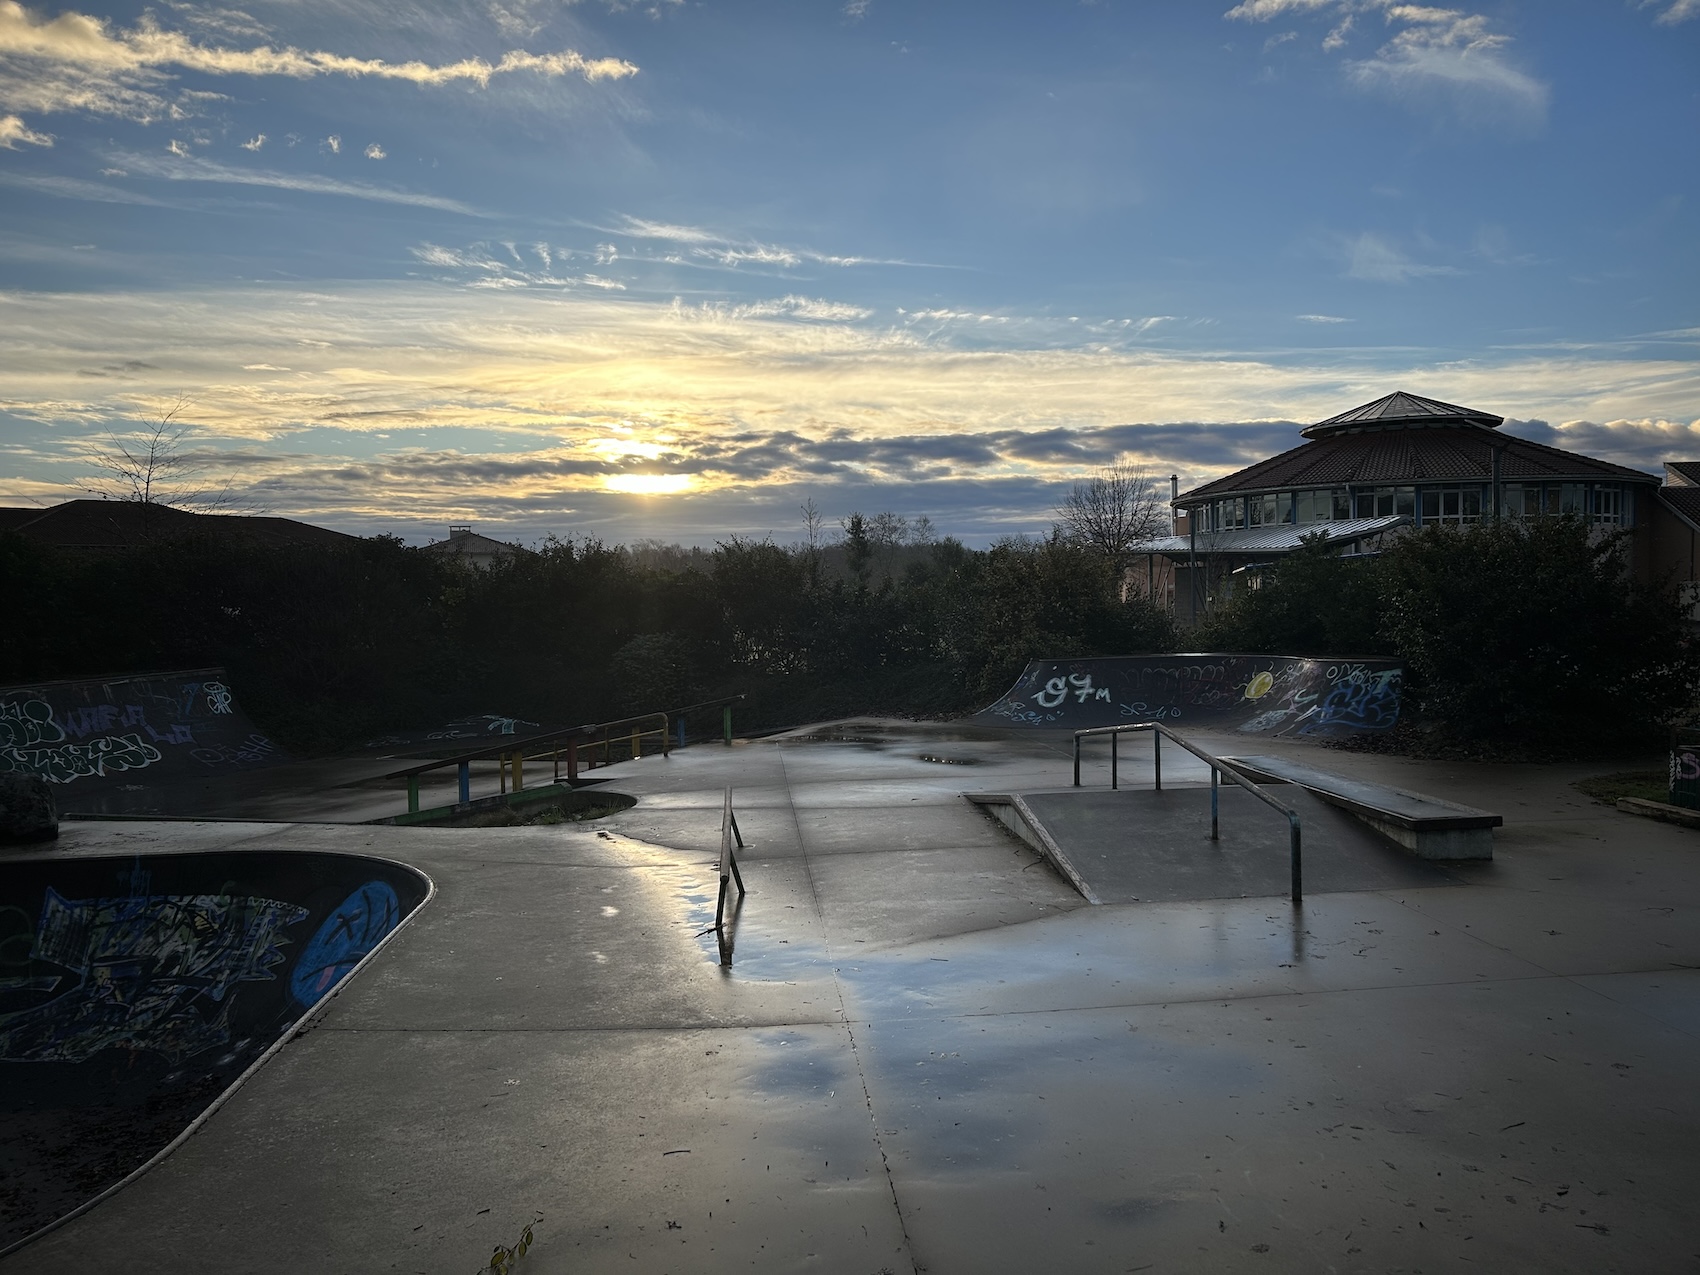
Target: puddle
<point>951,761</point>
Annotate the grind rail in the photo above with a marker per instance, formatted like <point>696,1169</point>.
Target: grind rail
<point>577,745</point>
<point>729,874</point>
<point>1218,768</point>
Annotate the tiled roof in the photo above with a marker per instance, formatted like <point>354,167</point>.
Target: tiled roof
<point>1401,409</point>
<point>115,524</point>
<point>1684,500</point>
<point>1462,453</point>
<point>1280,539</point>
<point>1683,472</point>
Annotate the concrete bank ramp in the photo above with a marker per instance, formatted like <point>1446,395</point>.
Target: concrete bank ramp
<point>98,738</point>
<point>135,990</point>
<point>1254,694</point>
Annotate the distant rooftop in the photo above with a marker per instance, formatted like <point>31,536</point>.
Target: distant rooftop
<point>116,524</point>
<point>1401,410</point>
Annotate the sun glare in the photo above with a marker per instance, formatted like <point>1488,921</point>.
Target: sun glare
<point>648,484</point>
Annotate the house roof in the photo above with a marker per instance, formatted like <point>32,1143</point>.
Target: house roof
<point>1682,473</point>
<point>117,524</point>
<point>470,543</point>
<point>1400,410</point>
<point>1684,501</point>
<point>1450,451</point>
<point>1283,538</point>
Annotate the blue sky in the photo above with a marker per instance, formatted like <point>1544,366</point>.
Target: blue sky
<point>669,269</point>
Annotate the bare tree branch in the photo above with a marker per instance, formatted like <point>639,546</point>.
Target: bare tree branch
<point>1114,512</point>
<point>152,466</point>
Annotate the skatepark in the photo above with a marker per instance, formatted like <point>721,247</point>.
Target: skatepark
<point>968,1016</point>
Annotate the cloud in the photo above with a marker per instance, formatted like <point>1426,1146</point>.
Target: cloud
<point>524,388</point>
<point>1679,11</point>
<point>1437,58</point>
<point>333,143</point>
<point>724,250</point>
<point>856,10</point>
<point>78,62</point>
<point>1373,259</point>
<point>255,143</point>
<point>1320,318</point>
<point>190,168</point>
<point>375,151</point>
<point>13,131</point>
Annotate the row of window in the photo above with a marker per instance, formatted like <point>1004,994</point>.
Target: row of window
<point>1599,503</point>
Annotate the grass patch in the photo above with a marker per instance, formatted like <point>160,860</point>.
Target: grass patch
<point>1649,785</point>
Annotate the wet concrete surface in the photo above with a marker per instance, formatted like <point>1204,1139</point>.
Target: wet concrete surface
<point>1154,846</point>
<point>929,1054</point>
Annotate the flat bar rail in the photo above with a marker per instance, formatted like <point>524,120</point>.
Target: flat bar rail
<point>1218,768</point>
<point>513,750</point>
<point>729,873</point>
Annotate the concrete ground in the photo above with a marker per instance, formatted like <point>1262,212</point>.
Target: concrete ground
<point>930,1055</point>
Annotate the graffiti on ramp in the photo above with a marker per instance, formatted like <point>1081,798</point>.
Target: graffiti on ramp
<point>1256,694</point>
<point>153,728</point>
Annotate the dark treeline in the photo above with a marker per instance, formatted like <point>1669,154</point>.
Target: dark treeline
<point>1519,631</point>
<point>1529,631</point>
<point>330,646</point>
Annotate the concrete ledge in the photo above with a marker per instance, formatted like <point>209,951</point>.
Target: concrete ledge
<point>1660,810</point>
<point>1429,827</point>
<point>1015,814</point>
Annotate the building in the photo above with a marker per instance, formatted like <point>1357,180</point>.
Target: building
<point>467,546</point>
<point>1403,461</point>
<point>120,524</point>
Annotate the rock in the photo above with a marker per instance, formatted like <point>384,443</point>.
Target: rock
<point>27,812</point>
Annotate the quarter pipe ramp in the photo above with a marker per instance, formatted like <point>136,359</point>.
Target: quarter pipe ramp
<point>1255,694</point>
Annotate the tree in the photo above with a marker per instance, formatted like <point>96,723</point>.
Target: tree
<point>1114,512</point>
<point>152,466</point>
<point>1534,629</point>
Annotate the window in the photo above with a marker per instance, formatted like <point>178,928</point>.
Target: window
<point>1463,504</point>
<point>1382,502</point>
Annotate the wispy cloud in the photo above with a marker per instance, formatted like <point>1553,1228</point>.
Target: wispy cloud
<point>1674,12</point>
<point>189,168</point>
<point>254,143</point>
<point>1437,57</point>
<point>703,245</point>
<point>375,151</point>
<point>1374,259</point>
<point>14,131</point>
<point>1320,318</point>
<point>79,62</point>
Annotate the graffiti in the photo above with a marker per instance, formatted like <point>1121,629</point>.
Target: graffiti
<point>256,748</point>
<point>154,973</point>
<point>1683,765</point>
<point>67,762</point>
<point>1250,693</point>
<point>1363,700</point>
<point>346,938</point>
<point>26,723</point>
<point>1059,688</point>
<point>172,725</point>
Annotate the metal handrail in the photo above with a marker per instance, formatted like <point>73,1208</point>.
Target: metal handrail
<point>514,750</point>
<point>1217,766</point>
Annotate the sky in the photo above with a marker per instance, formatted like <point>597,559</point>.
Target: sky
<point>671,268</point>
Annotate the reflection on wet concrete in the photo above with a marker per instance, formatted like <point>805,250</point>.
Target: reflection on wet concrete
<point>928,1055</point>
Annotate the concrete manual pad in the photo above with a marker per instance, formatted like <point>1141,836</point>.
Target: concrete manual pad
<point>1144,845</point>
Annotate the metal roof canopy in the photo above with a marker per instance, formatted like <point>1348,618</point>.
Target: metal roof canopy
<point>1284,538</point>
